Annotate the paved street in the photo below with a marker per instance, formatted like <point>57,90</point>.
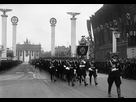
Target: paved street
<point>26,82</point>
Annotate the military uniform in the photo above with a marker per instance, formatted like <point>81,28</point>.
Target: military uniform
<point>6,65</point>
<point>68,72</point>
<point>72,73</point>
<point>82,72</point>
<point>52,71</point>
<point>114,76</point>
<point>92,72</point>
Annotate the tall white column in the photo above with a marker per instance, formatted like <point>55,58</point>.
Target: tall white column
<point>4,35</point>
<point>114,43</point>
<point>14,40</point>
<point>14,21</point>
<point>73,37</point>
<point>52,40</point>
<point>4,31</point>
<point>73,33</point>
<point>53,21</point>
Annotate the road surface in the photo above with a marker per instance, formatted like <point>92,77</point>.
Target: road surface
<point>26,82</point>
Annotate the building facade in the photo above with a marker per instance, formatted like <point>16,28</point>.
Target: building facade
<point>25,52</point>
<point>61,51</point>
<point>124,17</point>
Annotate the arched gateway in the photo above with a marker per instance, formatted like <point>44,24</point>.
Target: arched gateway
<point>25,52</point>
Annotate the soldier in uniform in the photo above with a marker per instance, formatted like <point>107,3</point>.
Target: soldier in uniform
<point>92,72</point>
<point>114,75</point>
<point>82,72</point>
<point>51,70</point>
<point>72,74</point>
<point>68,72</point>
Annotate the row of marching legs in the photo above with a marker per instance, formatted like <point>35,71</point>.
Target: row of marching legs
<point>72,79</point>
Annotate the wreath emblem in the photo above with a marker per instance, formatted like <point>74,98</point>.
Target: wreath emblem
<point>53,21</point>
<point>14,19</point>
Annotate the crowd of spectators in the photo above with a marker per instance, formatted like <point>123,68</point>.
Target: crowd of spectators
<point>128,67</point>
<point>6,65</point>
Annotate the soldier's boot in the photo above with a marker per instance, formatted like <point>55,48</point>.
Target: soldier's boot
<point>109,90</point>
<point>95,80</point>
<point>80,81</point>
<point>109,94</point>
<point>119,93</point>
<point>73,82</point>
<point>90,80</point>
<point>68,81</point>
<point>55,79</point>
<point>85,83</point>
<point>51,78</point>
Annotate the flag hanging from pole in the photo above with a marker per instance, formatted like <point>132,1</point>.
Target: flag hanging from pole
<point>89,28</point>
<point>82,50</point>
<point>93,23</point>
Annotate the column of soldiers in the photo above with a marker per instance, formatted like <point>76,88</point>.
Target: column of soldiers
<point>70,70</point>
<point>73,70</point>
<point>6,65</point>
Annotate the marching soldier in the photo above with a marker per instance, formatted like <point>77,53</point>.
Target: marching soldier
<point>73,72</point>
<point>52,71</point>
<point>68,72</point>
<point>82,72</point>
<point>114,76</point>
<point>93,72</point>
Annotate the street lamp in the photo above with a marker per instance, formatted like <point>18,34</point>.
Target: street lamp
<point>115,36</point>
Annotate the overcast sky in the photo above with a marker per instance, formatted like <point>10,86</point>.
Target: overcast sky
<point>34,22</point>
